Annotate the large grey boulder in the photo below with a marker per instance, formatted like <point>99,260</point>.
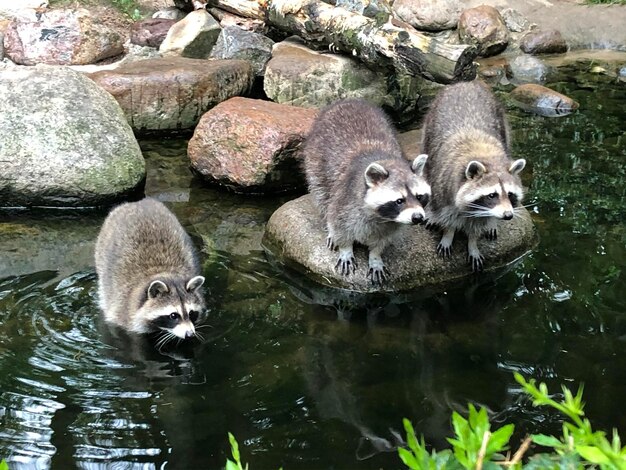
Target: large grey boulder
<point>194,36</point>
<point>429,15</point>
<point>61,37</point>
<point>64,141</point>
<point>294,235</point>
<point>237,43</point>
<point>172,93</point>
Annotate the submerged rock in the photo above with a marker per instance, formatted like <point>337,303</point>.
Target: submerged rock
<point>541,100</point>
<point>250,145</point>
<point>295,236</point>
<point>429,15</point>
<point>194,36</point>
<point>172,93</point>
<point>484,27</point>
<point>61,37</point>
<point>64,141</point>
<point>514,20</point>
<point>543,42</point>
<point>528,69</point>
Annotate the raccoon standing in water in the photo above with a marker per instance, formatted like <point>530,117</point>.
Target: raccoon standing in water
<point>148,272</point>
<point>473,178</point>
<point>361,182</point>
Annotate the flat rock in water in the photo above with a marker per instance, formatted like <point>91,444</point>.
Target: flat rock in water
<point>172,93</point>
<point>542,100</point>
<point>528,69</point>
<point>483,27</point>
<point>543,42</point>
<point>251,145</point>
<point>64,141</point>
<point>61,37</point>
<point>294,235</point>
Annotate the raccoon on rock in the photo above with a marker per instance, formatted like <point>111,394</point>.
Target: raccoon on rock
<point>474,180</point>
<point>148,272</point>
<point>361,182</point>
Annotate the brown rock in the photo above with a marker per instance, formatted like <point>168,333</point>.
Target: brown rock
<point>543,42</point>
<point>484,27</point>
<point>172,93</point>
<point>251,145</point>
<point>61,37</point>
<point>541,100</point>
<point>150,32</point>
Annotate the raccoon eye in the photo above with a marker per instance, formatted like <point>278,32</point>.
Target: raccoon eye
<point>492,195</point>
<point>174,315</point>
<point>513,198</point>
<point>400,201</point>
<point>193,316</point>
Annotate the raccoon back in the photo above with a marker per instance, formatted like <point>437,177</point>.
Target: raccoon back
<point>137,241</point>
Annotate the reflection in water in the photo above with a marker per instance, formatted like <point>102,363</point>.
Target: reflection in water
<point>309,377</point>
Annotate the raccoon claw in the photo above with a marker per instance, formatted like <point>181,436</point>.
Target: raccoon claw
<point>445,251</point>
<point>491,234</point>
<point>330,244</point>
<point>346,265</point>
<point>431,226</point>
<point>378,275</point>
<point>476,262</point>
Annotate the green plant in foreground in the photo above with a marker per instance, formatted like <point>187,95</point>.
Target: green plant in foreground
<point>476,447</point>
<point>4,465</point>
<point>234,449</point>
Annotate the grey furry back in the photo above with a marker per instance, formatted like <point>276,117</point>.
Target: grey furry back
<point>463,106</point>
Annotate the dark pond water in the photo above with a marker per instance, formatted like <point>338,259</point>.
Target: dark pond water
<point>298,386</point>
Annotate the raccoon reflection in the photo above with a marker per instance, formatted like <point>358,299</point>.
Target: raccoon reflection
<point>148,272</point>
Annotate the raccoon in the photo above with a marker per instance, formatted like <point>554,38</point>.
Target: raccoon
<point>361,182</point>
<point>474,181</point>
<point>148,272</point>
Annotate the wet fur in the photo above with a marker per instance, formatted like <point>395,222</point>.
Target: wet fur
<point>140,243</point>
<point>464,124</point>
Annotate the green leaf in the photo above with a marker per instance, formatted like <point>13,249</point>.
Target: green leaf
<point>234,448</point>
<point>499,440</point>
<point>4,465</point>
<point>409,459</point>
<point>592,454</point>
<point>546,441</point>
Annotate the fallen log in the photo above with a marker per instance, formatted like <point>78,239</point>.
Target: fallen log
<point>375,43</point>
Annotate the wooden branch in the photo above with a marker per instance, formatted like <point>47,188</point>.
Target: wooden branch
<point>375,43</point>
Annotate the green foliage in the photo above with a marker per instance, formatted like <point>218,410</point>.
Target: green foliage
<point>617,2</point>
<point>234,448</point>
<point>128,7</point>
<point>474,446</point>
<point>4,465</point>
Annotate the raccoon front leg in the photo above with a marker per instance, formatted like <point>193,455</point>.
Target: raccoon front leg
<point>346,262</point>
<point>377,272</point>
<point>491,233</point>
<point>444,248</point>
<point>330,239</point>
<point>473,253</point>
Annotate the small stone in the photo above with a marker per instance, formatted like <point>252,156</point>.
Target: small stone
<point>528,69</point>
<point>483,27</point>
<point>541,100</point>
<point>194,36</point>
<point>296,236</point>
<point>172,93</point>
<point>236,43</point>
<point>429,15</point>
<point>169,13</point>
<point>514,20</point>
<point>251,145</point>
<point>543,42</point>
<point>150,32</point>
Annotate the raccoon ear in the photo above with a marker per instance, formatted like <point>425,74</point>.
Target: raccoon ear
<point>474,169</point>
<point>375,173</point>
<point>194,283</point>
<point>157,288</point>
<point>418,164</point>
<point>517,166</point>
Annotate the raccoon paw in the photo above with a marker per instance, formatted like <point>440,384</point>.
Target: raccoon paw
<point>346,264</point>
<point>330,243</point>
<point>491,234</point>
<point>476,261</point>
<point>431,226</point>
<point>378,274</point>
<point>445,251</point>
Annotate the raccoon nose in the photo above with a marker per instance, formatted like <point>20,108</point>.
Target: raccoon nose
<point>417,218</point>
<point>508,215</point>
<point>189,334</point>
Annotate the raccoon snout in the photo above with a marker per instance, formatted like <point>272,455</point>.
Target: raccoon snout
<point>189,334</point>
<point>508,215</point>
<point>417,219</point>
